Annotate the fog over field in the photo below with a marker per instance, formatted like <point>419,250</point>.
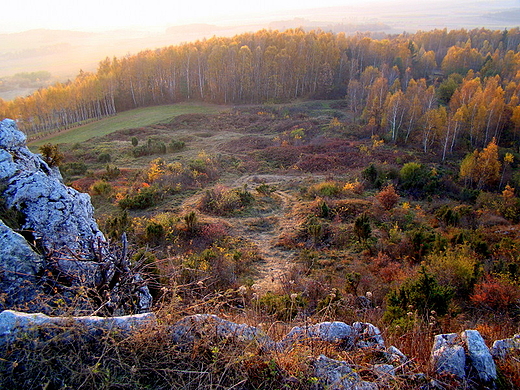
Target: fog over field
<point>63,38</point>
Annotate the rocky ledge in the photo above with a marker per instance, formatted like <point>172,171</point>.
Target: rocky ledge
<point>49,239</point>
<point>456,358</point>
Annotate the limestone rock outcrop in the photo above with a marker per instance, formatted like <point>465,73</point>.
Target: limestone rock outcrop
<point>336,375</point>
<point>60,216</point>
<point>359,334</point>
<point>479,356</point>
<point>464,357</point>
<point>501,349</point>
<point>448,355</point>
<point>206,325</point>
<point>460,360</point>
<point>13,323</point>
<point>48,236</point>
<point>20,265</point>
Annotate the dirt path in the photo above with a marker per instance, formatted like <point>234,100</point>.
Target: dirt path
<point>265,227</point>
<point>264,233</point>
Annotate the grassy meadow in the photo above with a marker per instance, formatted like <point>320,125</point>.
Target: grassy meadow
<point>139,117</point>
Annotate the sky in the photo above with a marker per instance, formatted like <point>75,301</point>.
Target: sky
<point>103,15</point>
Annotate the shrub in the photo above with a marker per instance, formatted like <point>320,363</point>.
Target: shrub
<point>265,189</point>
<point>329,189</point>
<point>353,187</point>
<point>461,215</point>
<point>118,224</point>
<point>104,158</point>
<point>111,172</point>
<point>378,176</point>
<point>457,267</point>
<point>422,294</point>
<point>10,216</point>
<point>146,197</point>
<point>388,197</point>
<point>191,221</point>
<point>282,307</point>
<point>101,188</point>
<point>315,230</point>
<point>510,204</point>
<point>325,211</point>
<point>387,269</point>
<point>496,293</point>
<point>152,146</point>
<point>370,174</point>
<point>175,146</point>
<point>413,177</point>
<point>220,266</point>
<point>154,232</point>
<point>423,242</point>
<point>203,164</point>
<point>139,151</point>
<point>51,155</point>
<point>156,170</point>
<point>448,215</point>
<point>214,231</point>
<point>73,168</point>
<point>362,227</point>
<point>223,201</point>
<point>134,141</point>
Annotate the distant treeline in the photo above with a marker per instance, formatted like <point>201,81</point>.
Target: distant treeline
<point>437,87</point>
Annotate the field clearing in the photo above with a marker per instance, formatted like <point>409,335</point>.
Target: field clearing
<point>139,117</point>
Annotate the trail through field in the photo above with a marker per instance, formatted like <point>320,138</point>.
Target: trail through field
<point>264,233</point>
<point>264,226</point>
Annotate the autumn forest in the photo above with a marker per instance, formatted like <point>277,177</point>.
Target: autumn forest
<point>440,89</point>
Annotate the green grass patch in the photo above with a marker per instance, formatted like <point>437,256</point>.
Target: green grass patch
<point>139,117</point>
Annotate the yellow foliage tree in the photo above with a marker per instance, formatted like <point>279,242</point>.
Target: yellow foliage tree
<point>156,170</point>
<point>482,168</point>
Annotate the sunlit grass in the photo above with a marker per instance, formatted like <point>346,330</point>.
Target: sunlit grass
<point>139,117</point>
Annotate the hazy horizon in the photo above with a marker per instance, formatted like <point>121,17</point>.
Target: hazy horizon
<point>157,15</point>
<point>153,15</point>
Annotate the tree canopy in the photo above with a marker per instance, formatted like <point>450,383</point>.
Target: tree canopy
<point>439,89</point>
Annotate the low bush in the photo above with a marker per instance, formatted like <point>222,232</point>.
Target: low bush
<point>70,358</point>
<point>175,145</point>
<point>154,233</point>
<point>191,220</point>
<point>101,188</point>
<point>52,155</point>
<point>417,180</point>
<point>282,307</point>
<point>143,199</point>
<point>497,294</point>
<point>219,267</point>
<point>362,228</point>
<point>117,224</point>
<point>221,200</point>
<point>104,158</point>
<point>458,267</point>
<point>330,189</point>
<point>151,147</point>
<point>422,295</point>
<point>9,215</point>
<point>388,197</point>
<point>73,168</point>
<point>111,172</point>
